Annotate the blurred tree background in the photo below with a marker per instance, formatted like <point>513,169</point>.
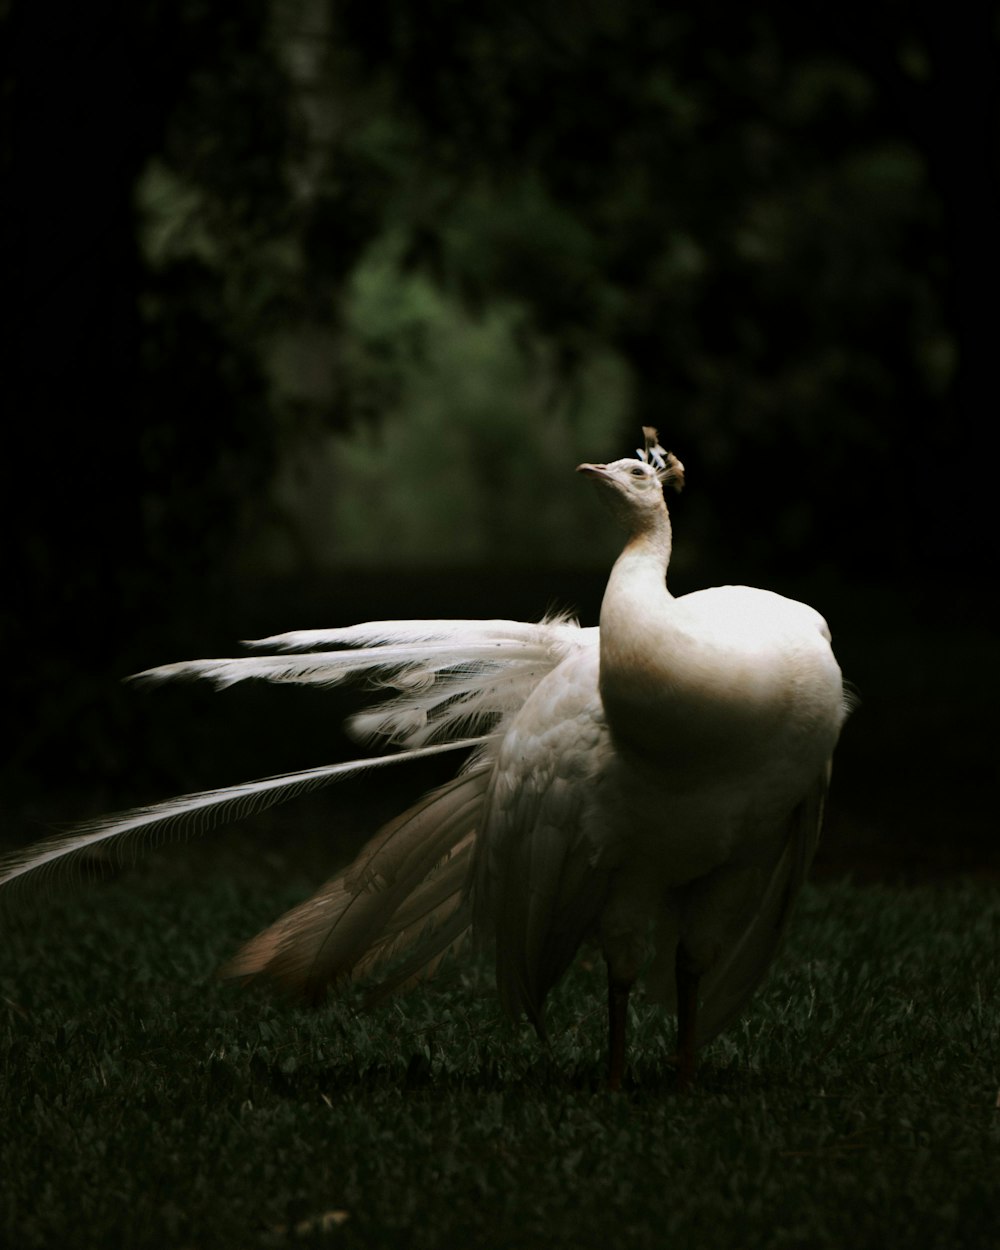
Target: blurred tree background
<point>313,308</point>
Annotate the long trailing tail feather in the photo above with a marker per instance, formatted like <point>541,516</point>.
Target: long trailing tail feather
<point>191,814</point>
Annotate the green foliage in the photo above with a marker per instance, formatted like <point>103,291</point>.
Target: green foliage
<point>145,1104</point>
<point>448,229</point>
<point>454,446</point>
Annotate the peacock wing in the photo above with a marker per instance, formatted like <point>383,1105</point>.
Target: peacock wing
<point>730,984</point>
<point>540,874</point>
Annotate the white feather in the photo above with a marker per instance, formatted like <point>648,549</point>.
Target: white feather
<point>191,814</point>
<point>450,678</point>
<point>387,633</point>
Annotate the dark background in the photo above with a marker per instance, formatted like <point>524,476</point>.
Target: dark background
<point>781,228</point>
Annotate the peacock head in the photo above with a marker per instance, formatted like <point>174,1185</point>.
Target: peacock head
<point>633,489</point>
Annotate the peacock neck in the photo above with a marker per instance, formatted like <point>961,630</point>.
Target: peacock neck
<point>641,644</point>
<point>638,582</point>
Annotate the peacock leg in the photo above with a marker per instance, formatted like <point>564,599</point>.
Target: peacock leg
<point>688,979</point>
<point>618,992</point>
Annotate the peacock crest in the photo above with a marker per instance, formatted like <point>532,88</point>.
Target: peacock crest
<point>668,467</point>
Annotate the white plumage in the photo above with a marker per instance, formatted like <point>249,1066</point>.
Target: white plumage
<point>656,784</point>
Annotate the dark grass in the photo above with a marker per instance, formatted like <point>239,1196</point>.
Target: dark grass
<point>146,1104</point>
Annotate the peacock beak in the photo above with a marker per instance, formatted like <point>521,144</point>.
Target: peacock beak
<point>593,470</point>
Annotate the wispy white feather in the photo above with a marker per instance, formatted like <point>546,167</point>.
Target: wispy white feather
<point>387,633</point>
<point>448,678</point>
<point>191,814</point>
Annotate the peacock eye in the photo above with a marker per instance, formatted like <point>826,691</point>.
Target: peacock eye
<point>638,471</point>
